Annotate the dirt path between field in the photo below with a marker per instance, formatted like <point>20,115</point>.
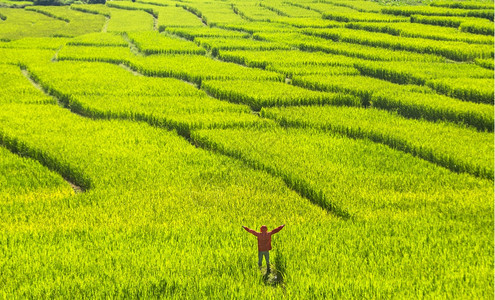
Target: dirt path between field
<point>105,25</point>
<point>77,189</point>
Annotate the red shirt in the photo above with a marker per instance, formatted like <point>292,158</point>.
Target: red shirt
<point>264,238</point>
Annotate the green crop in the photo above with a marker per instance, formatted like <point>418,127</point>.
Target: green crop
<point>262,59</point>
<point>214,13</point>
<point>25,181</point>
<point>192,32</point>
<point>362,17</point>
<point>254,12</point>
<point>460,51</point>
<point>99,39</point>
<point>35,43</point>
<point>176,16</point>
<point>219,43</point>
<point>137,137</point>
<point>366,52</point>
<point>196,68</point>
<point>16,88</point>
<point>446,78</point>
<point>408,100</point>
<point>485,63</point>
<point>286,9</point>
<point>23,56</point>
<point>259,94</point>
<point>126,5</point>
<point>459,149</point>
<point>344,6</point>
<point>17,24</point>
<point>437,11</point>
<point>470,89</point>
<point>98,9</point>
<point>301,69</point>
<point>310,158</point>
<point>464,4</point>
<point>254,27</point>
<point>163,102</point>
<point>129,20</point>
<point>424,31</point>
<point>150,42</point>
<point>472,25</point>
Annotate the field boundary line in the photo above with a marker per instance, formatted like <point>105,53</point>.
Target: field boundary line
<point>429,155</point>
<point>298,185</point>
<point>67,172</point>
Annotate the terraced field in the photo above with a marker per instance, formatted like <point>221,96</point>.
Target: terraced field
<point>137,137</point>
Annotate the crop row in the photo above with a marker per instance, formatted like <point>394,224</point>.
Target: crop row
<point>291,70</point>
<point>364,51</point>
<point>192,32</point>
<point>176,16</point>
<point>438,11</point>
<point>262,59</point>
<point>19,56</point>
<point>438,75</point>
<point>468,82</point>
<point>367,180</point>
<point>423,31</point>
<point>314,43</point>
<point>25,180</point>
<point>166,15</point>
<point>35,43</point>
<point>16,88</point>
<point>362,17</point>
<point>193,68</point>
<point>14,27</point>
<point>409,101</point>
<point>456,148</point>
<point>105,79</point>
<point>471,25</point>
<point>152,42</point>
<point>307,22</point>
<point>454,50</point>
<point>179,113</point>
<point>99,39</point>
<point>285,9</point>
<point>463,4</point>
<point>97,9</point>
<point>214,44</point>
<point>253,27</point>
<point>343,6</point>
<point>129,20</point>
<point>214,13</point>
<point>254,12</point>
<point>107,91</point>
<point>126,5</point>
<point>59,13</point>
<point>258,94</point>
<point>485,63</point>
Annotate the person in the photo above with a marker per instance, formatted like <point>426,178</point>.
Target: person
<point>264,243</point>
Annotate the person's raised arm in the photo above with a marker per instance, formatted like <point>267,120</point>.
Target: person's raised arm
<point>277,229</point>
<point>250,230</point>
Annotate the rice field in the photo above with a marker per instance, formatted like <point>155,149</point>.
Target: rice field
<point>138,137</point>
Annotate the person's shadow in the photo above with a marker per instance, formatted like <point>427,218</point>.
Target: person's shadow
<point>273,277</point>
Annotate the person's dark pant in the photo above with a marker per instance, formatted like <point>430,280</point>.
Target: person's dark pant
<point>266,254</point>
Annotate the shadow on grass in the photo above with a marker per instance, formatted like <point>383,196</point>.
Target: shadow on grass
<point>273,277</point>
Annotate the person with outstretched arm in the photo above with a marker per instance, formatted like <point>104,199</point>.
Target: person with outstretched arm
<point>264,243</point>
